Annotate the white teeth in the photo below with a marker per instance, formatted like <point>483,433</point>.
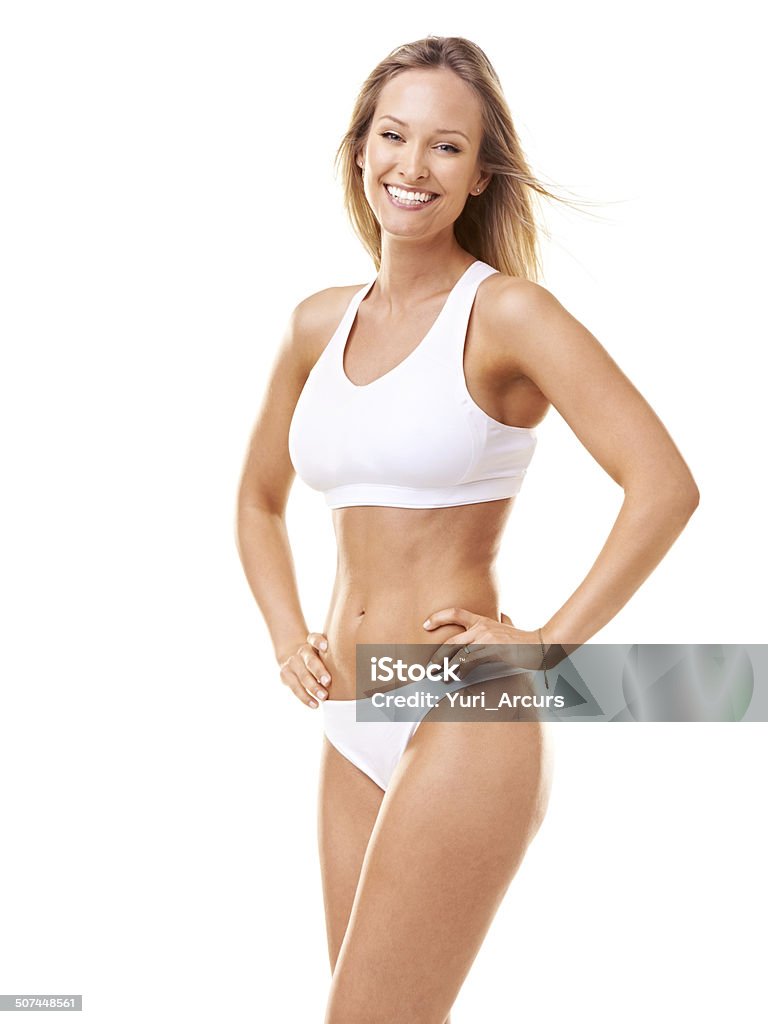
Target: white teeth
<point>399,193</point>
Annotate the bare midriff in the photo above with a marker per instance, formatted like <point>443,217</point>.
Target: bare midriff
<point>396,566</point>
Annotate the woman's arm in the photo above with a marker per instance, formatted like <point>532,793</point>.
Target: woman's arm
<point>265,483</point>
<point>265,552</point>
<point>644,531</point>
<point>620,430</point>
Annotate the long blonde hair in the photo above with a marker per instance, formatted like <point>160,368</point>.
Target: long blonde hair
<point>498,226</point>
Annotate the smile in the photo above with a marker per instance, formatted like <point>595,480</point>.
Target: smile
<point>406,200</point>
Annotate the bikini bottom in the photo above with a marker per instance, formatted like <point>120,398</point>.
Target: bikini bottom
<point>374,739</point>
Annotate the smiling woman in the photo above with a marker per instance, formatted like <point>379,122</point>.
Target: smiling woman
<point>402,195</point>
<point>420,166</point>
<point>411,403</point>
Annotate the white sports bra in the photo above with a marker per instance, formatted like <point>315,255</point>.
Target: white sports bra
<point>414,437</point>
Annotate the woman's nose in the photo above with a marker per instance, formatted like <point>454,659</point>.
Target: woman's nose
<point>413,166</point>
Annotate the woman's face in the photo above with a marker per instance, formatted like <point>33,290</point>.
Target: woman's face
<point>424,138</point>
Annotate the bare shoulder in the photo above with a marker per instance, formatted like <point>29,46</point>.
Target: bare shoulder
<point>530,330</point>
<point>316,317</point>
<point>508,301</point>
<point>508,312</point>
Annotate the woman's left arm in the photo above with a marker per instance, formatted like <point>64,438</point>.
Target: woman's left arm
<point>620,430</point>
<point>540,339</point>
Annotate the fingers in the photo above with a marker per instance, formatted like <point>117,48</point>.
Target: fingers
<point>448,615</point>
<point>456,663</point>
<point>318,640</point>
<point>479,634</point>
<point>314,662</point>
<point>453,648</point>
<point>305,673</point>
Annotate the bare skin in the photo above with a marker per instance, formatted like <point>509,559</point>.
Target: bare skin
<point>412,879</point>
<point>420,928</point>
<point>465,795</point>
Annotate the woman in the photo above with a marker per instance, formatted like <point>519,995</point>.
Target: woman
<point>417,422</point>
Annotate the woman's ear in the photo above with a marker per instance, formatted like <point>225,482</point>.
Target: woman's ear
<point>482,184</point>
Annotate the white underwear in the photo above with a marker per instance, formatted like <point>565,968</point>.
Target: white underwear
<point>376,746</point>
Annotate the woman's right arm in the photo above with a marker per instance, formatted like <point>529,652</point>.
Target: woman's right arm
<point>261,533</point>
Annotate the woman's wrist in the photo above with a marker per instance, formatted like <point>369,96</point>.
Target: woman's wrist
<point>286,648</point>
<point>552,651</point>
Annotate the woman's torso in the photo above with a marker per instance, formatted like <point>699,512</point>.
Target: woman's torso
<point>395,566</point>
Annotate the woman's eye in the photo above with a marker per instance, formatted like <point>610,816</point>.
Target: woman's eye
<point>444,146</point>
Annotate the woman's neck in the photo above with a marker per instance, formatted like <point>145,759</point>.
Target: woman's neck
<point>411,272</point>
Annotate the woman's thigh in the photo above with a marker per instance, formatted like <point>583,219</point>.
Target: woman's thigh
<point>463,805</point>
<point>347,807</point>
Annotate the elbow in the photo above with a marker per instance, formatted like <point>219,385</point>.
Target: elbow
<point>687,492</point>
<point>249,522</point>
<point>253,509</point>
<point>256,498</point>
<point>683,498</point>
<point>680,496</point>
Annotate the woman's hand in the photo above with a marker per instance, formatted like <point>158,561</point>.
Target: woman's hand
<point>522,649</point>
<point>303,670</point>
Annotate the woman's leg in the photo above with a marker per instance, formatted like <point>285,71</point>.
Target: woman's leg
<point>347,807</point>
<point>464,803</point>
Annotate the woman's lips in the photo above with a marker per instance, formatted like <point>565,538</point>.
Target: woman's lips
<point>408,205</point>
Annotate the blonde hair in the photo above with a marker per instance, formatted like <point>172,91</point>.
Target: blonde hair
<point>498,226</point>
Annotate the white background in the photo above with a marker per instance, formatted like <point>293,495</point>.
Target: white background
<point>167,197</point>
